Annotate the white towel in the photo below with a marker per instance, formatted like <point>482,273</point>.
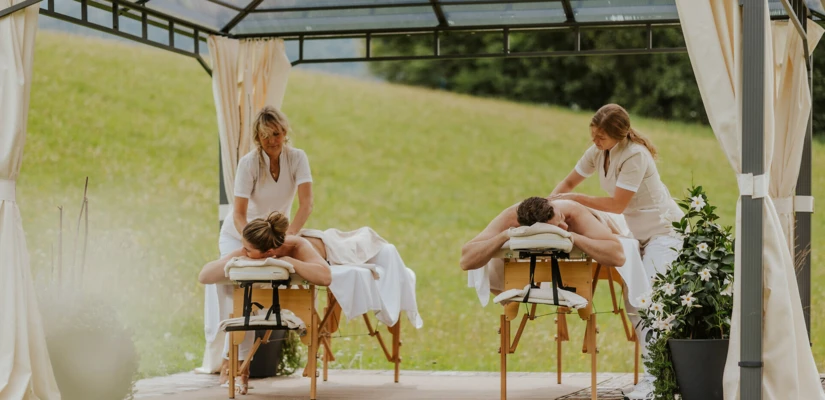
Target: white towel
<point>542,295</point>
<point>358,292</point>
<point>633,271</point>
<point>288,319</point>
<point>243,262</point>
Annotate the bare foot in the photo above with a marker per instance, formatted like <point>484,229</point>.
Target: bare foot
<point>224,372</point>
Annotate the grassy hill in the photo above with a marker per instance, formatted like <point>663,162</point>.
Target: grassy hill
<point>426,169</point>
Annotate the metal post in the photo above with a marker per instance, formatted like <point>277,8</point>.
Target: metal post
<point>802,226</point>
<point>224,210</point>
<point>753,93</point>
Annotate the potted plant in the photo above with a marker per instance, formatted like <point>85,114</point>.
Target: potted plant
<point>687,314</point>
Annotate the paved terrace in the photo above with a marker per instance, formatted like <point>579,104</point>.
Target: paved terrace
<point>375,385</point>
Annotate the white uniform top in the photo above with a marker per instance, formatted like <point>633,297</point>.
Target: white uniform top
<point>651,210</point>
<point>264,193</point>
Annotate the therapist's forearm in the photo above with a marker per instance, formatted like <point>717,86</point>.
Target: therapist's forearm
<point>300,219</point>
<point>606,204</point>
<point>240,222</point>
<point>562,187</point>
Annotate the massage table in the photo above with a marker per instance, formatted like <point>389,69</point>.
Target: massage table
<point>275,288</point>
<point>578,272</point>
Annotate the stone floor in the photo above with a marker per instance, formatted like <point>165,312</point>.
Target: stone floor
<point>374,385</point>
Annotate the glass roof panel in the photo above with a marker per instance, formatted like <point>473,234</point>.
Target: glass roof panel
<point>200,12</point>
<point>623,10</point>
<point>329,20</point>
<point>504,14</point>
<point>275,4</point>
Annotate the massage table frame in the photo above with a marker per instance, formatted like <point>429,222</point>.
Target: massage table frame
<point>301,301</point>
<point>579,273</point>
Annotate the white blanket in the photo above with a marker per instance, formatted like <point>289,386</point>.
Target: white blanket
<point>542,295</point>
<point>356,287</point>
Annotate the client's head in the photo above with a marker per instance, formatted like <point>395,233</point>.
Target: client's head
<point>261,237</point>
<point>535,209</point>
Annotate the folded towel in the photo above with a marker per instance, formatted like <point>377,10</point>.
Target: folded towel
<point>538,227</point>
<point>243,262</point>
<point>288,319</point>
<point>541,241</point>
<point>542,295</point>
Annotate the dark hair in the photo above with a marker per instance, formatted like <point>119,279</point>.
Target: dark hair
<point>614,121</point>
<point>266,234</point>
<point>534,209</point>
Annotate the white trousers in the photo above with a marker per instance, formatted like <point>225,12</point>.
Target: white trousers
<point>656,256</point>
<point>217,306</point>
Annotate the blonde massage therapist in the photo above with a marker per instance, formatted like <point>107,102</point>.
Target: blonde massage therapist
<point>266,180</point>
<point>625,163</point>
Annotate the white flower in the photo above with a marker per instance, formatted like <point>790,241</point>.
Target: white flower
<point>657,307</point>
<point>702,247</point>
<point>704,274</point>
<point>189,356</point>
<point>728,291</point>
<point>669,289</point>
<point>644,301</point>
<point>697,203</point>
<point>167,335</point>
<point>662,325</point>
<point>688,299</point>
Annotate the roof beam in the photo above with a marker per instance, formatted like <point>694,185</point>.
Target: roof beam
<point>439,13</point>
<point>18,7</point>
<point>568,11</point>
<point>225,4</point>
<point>241,15</point>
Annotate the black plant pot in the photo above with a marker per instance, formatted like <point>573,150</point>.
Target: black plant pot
<point>699,366</point>
<point>266,360</point>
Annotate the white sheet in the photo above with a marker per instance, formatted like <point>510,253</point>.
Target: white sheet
<point>542,295</point>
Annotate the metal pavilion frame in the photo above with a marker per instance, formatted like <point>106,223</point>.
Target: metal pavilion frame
<point>753,92</point>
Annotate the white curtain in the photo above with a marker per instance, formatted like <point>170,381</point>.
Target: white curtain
<point>246,76</point>
<point>793,106</point>
<point>713,34</point>
<point>25,369</point>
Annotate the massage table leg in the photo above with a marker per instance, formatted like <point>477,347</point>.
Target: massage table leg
<point>558,347</point>
<point>591,345</point>
<point>395,330</point>
<point>326,358</point>
<point>312,355</point>
<point>504,332</point>
<point>233,364</point>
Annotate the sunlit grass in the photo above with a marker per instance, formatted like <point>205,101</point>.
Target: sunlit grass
<point>426,169</point>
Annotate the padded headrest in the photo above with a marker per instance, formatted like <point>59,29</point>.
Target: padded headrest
<point>268,273</point>
<point>540,236</point>
<point>538,227</point>
<point>246,262</point>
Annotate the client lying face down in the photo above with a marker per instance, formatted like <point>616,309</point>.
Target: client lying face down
<point>263,238</point>
<point>588,233</point>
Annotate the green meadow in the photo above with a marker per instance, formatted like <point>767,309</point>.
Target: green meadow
<point>426,169</point>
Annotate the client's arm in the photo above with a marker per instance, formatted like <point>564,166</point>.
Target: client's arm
<point>596,239</point>
<point>478,251</point>
<point>308,263</point>
<point>213,271</point>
